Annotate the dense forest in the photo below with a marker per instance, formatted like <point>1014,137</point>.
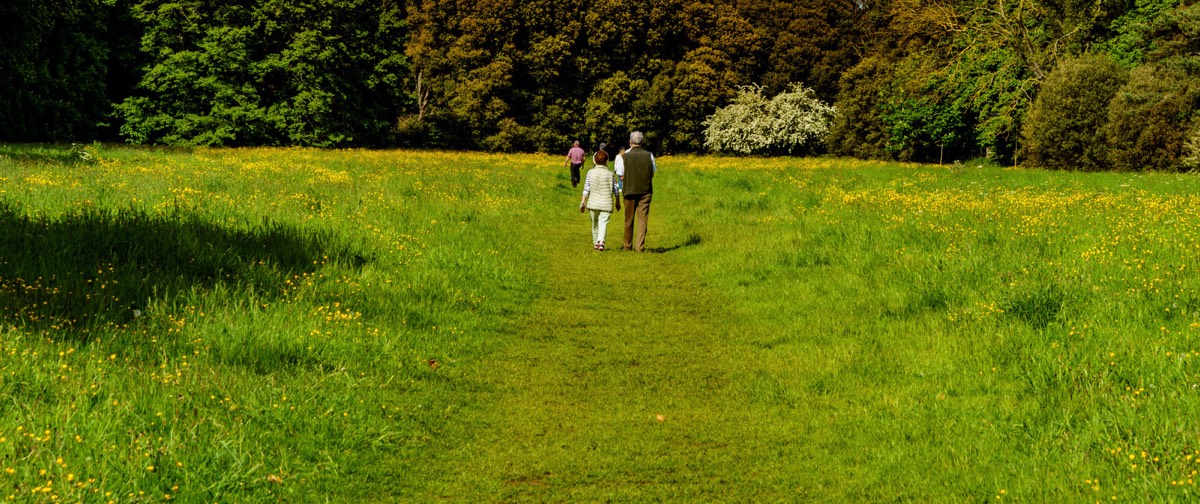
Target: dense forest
<point>1072,84</point>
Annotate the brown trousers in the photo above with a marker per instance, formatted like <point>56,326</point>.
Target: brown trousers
<point>639,205</point>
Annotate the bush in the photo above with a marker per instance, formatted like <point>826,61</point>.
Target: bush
<point>1064,128</point>
<point>414,131</point>
<point>858,130</point>
<point>1150,117</point>
<point>1191,151</point>
<point>788,123</point>
<point>512,136</point>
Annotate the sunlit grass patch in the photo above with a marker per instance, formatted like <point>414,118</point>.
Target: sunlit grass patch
<point>234,324</point>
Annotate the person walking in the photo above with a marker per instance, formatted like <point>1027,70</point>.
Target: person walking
<point>575,159</point>
<point>619,160</point>
<point>636,169</point>
<point>600,195</point>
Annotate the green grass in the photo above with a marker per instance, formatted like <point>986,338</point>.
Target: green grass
<point>304,325</point>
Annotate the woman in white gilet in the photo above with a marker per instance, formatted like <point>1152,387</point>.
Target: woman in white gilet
<point>601,196</point>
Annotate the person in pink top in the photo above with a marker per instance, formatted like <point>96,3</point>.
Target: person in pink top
<point>575,159</point>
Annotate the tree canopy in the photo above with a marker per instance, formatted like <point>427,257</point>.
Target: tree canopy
<point>921,80</point>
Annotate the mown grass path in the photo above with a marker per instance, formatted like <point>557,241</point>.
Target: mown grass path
<point>576,395</point>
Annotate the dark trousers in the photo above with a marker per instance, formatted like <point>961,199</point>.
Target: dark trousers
<point>575,174</point>
<point>636,205</point>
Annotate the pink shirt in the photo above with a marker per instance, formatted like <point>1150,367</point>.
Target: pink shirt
<point>575,155</point>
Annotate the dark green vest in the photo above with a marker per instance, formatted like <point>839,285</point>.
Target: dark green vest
<point>639,172</point>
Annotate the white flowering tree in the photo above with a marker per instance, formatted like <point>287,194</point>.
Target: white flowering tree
<point>753,124</point>
<point>1190,160</point>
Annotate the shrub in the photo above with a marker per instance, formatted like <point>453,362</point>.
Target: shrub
<point>1064,128</point>
<point>414,131</point>
<point>858,130</point>
<point>1149,119</point>
<point>512,136</point>
<point>1191,150</point>
<point>788,123</point>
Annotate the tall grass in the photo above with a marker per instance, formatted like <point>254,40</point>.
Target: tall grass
<point>289,324</point>
<point>968,334</point>
<point>242,324</point>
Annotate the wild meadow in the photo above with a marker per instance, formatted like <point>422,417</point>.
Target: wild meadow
<point>250,325</point>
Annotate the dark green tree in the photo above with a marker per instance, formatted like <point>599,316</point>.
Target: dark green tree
<point>1154,113</point>
<point>1065,127</point>
<point>858,129</point>
<point>61,65</point>
<point>925,117</point>
<point>1149,118</point>
<point>317,72</point>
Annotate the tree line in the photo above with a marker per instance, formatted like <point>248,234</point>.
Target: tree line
<point>1058,83</point>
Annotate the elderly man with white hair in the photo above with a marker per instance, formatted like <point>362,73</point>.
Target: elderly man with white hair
<point>636,169</point>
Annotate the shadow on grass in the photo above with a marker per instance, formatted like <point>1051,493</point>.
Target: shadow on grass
<point>692,239</point>
<point>44,153</point>
<point>67,154</point>
<point>1038,306</point>
<point>97,268</point>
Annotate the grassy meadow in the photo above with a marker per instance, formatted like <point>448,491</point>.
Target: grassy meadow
<point>251,325</point>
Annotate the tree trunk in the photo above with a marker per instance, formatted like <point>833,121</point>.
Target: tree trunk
<point>422,97</point>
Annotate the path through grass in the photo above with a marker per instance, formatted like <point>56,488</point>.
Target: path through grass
<point>616,341</point>
<point>859,335</point>
<point>652,390</point>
